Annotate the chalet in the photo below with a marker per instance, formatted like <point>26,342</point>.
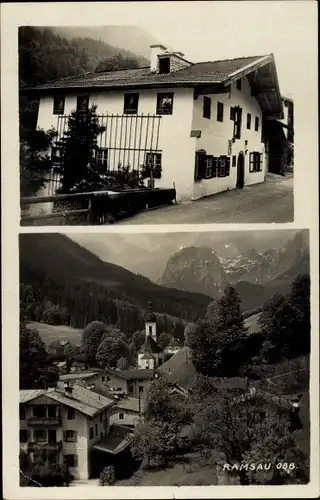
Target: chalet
<point>65,424</point>
<point>197,126</point>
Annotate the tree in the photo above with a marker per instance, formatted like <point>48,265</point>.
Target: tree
<point>138,339</point>
<point>110,351</point>
<point>123,363</point>
<point>79,170</point>
<point>216,345</point>
<point>107,476</point>
<point>164,340</point>
<point>117,62</point>
<point>239,428</point>
<point>91,339</point>
<point>35,162</point>
<point>36,372</point>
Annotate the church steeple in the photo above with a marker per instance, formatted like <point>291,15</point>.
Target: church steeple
<point>151,321</point>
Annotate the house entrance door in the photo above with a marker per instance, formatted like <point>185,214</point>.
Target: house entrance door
<point>240,171</point>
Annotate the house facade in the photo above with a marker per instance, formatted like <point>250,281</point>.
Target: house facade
<point>64,425</point>
<point>195,126</point>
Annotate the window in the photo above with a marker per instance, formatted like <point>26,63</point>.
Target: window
<point>256,124</point>
<point>237,122</point>
<point>164,64</point>
<point>22,412</point>
<point>70,436</point>
<point>248,121</point>
<point>131,104</point>
<point>140,389</point>
<point>219,112</point>
<point>255,162</point>
<point>100,418</point>
<point>23,435</point>
<point>51,412</point>
<point>70,414</point>
<point>39,412</point>
<point>209,165</point>
<point>83,103</point>
<point>103,379</point>
<point>234,161</point>
<point>164,103</point>
<point>96,429</point>
<point>102,158</point>
<point>206,107</point>
<point>70,460</point>
<point>223,166</point>
<point>239,84</point>
<point>40,435</point>
<point>52,436</point>
<point>154,162</point>
<point>150,329</point>
<point>232,113</point>
<point>91,433</point>
<point>56,154</point>
<point>58,105</point>
<point>121,416</point>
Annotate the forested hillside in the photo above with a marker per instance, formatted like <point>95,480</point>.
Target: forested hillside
<point>60,270</point>
<point>45,55</point>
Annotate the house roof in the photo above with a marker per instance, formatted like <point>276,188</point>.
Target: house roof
<point>77,376</point>
<point>179,369</point>
<point>220,73</point>
<point>131,404</point>
<point>87,402</point>
<point>150,346</point>
<point>132,374</point>
<point>117,440</point>
<point>27,395</point>
<point>147,356</point>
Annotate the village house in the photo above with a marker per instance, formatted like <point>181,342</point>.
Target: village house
<point>199,127</point>
<point>65,424</point>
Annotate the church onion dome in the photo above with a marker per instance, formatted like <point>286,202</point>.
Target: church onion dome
<point>150,317</point>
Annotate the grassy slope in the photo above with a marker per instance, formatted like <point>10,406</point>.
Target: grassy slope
<point>53,332</point>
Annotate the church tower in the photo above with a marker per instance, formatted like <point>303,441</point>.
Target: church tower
<point>151,323</point>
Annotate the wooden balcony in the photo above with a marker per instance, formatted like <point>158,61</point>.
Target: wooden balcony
<point>44,446</point>
<point>44,422</point>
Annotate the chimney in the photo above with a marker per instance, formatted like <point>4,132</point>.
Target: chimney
<point>67,388</point>
<point>155,51</point>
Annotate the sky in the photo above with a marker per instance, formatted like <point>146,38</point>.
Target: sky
<point>218,30</point>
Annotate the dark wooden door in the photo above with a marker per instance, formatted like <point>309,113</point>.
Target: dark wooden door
<point>240,171</point>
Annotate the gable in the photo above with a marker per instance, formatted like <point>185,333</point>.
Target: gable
<point>43,400</point>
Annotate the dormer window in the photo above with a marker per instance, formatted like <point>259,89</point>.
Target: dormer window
<point>164,64</point>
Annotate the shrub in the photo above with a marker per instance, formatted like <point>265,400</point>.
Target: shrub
<point>107,476</point>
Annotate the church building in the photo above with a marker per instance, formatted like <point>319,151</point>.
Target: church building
<point>150,355</point>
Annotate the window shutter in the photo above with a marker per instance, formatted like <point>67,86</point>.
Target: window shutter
<point>76,460</point>
<point>200,168</point>
<point>214,166</point>
<point>75,436</point>
<point>232,113</point>
<point>64,436</point>
<point>227,166</point>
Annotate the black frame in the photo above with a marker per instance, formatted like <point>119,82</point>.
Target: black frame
<point>128,107</point>
<point>256,124</point>
<point>82,104</point>
<point>59,102</point>
<point>255,162</point>
<point>237,122</point>
<point>248,121</point>
<point>168,108</point>
<point>206,112</point>
<point>154,164</point>
<point>220,111</point>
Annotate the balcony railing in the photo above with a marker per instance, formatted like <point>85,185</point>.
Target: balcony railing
<point>45,422</point>
<point>40,446</point>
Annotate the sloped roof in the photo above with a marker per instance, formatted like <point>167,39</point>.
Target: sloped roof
<point>150,346</point>
<point>147,356</point>
<point>179,369</point>
<point>77,376</point>
<point>131,404</point>
<point>139,374</point>
<point>27,395</point>
<point>202,72</point>
<point>87,402</point>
